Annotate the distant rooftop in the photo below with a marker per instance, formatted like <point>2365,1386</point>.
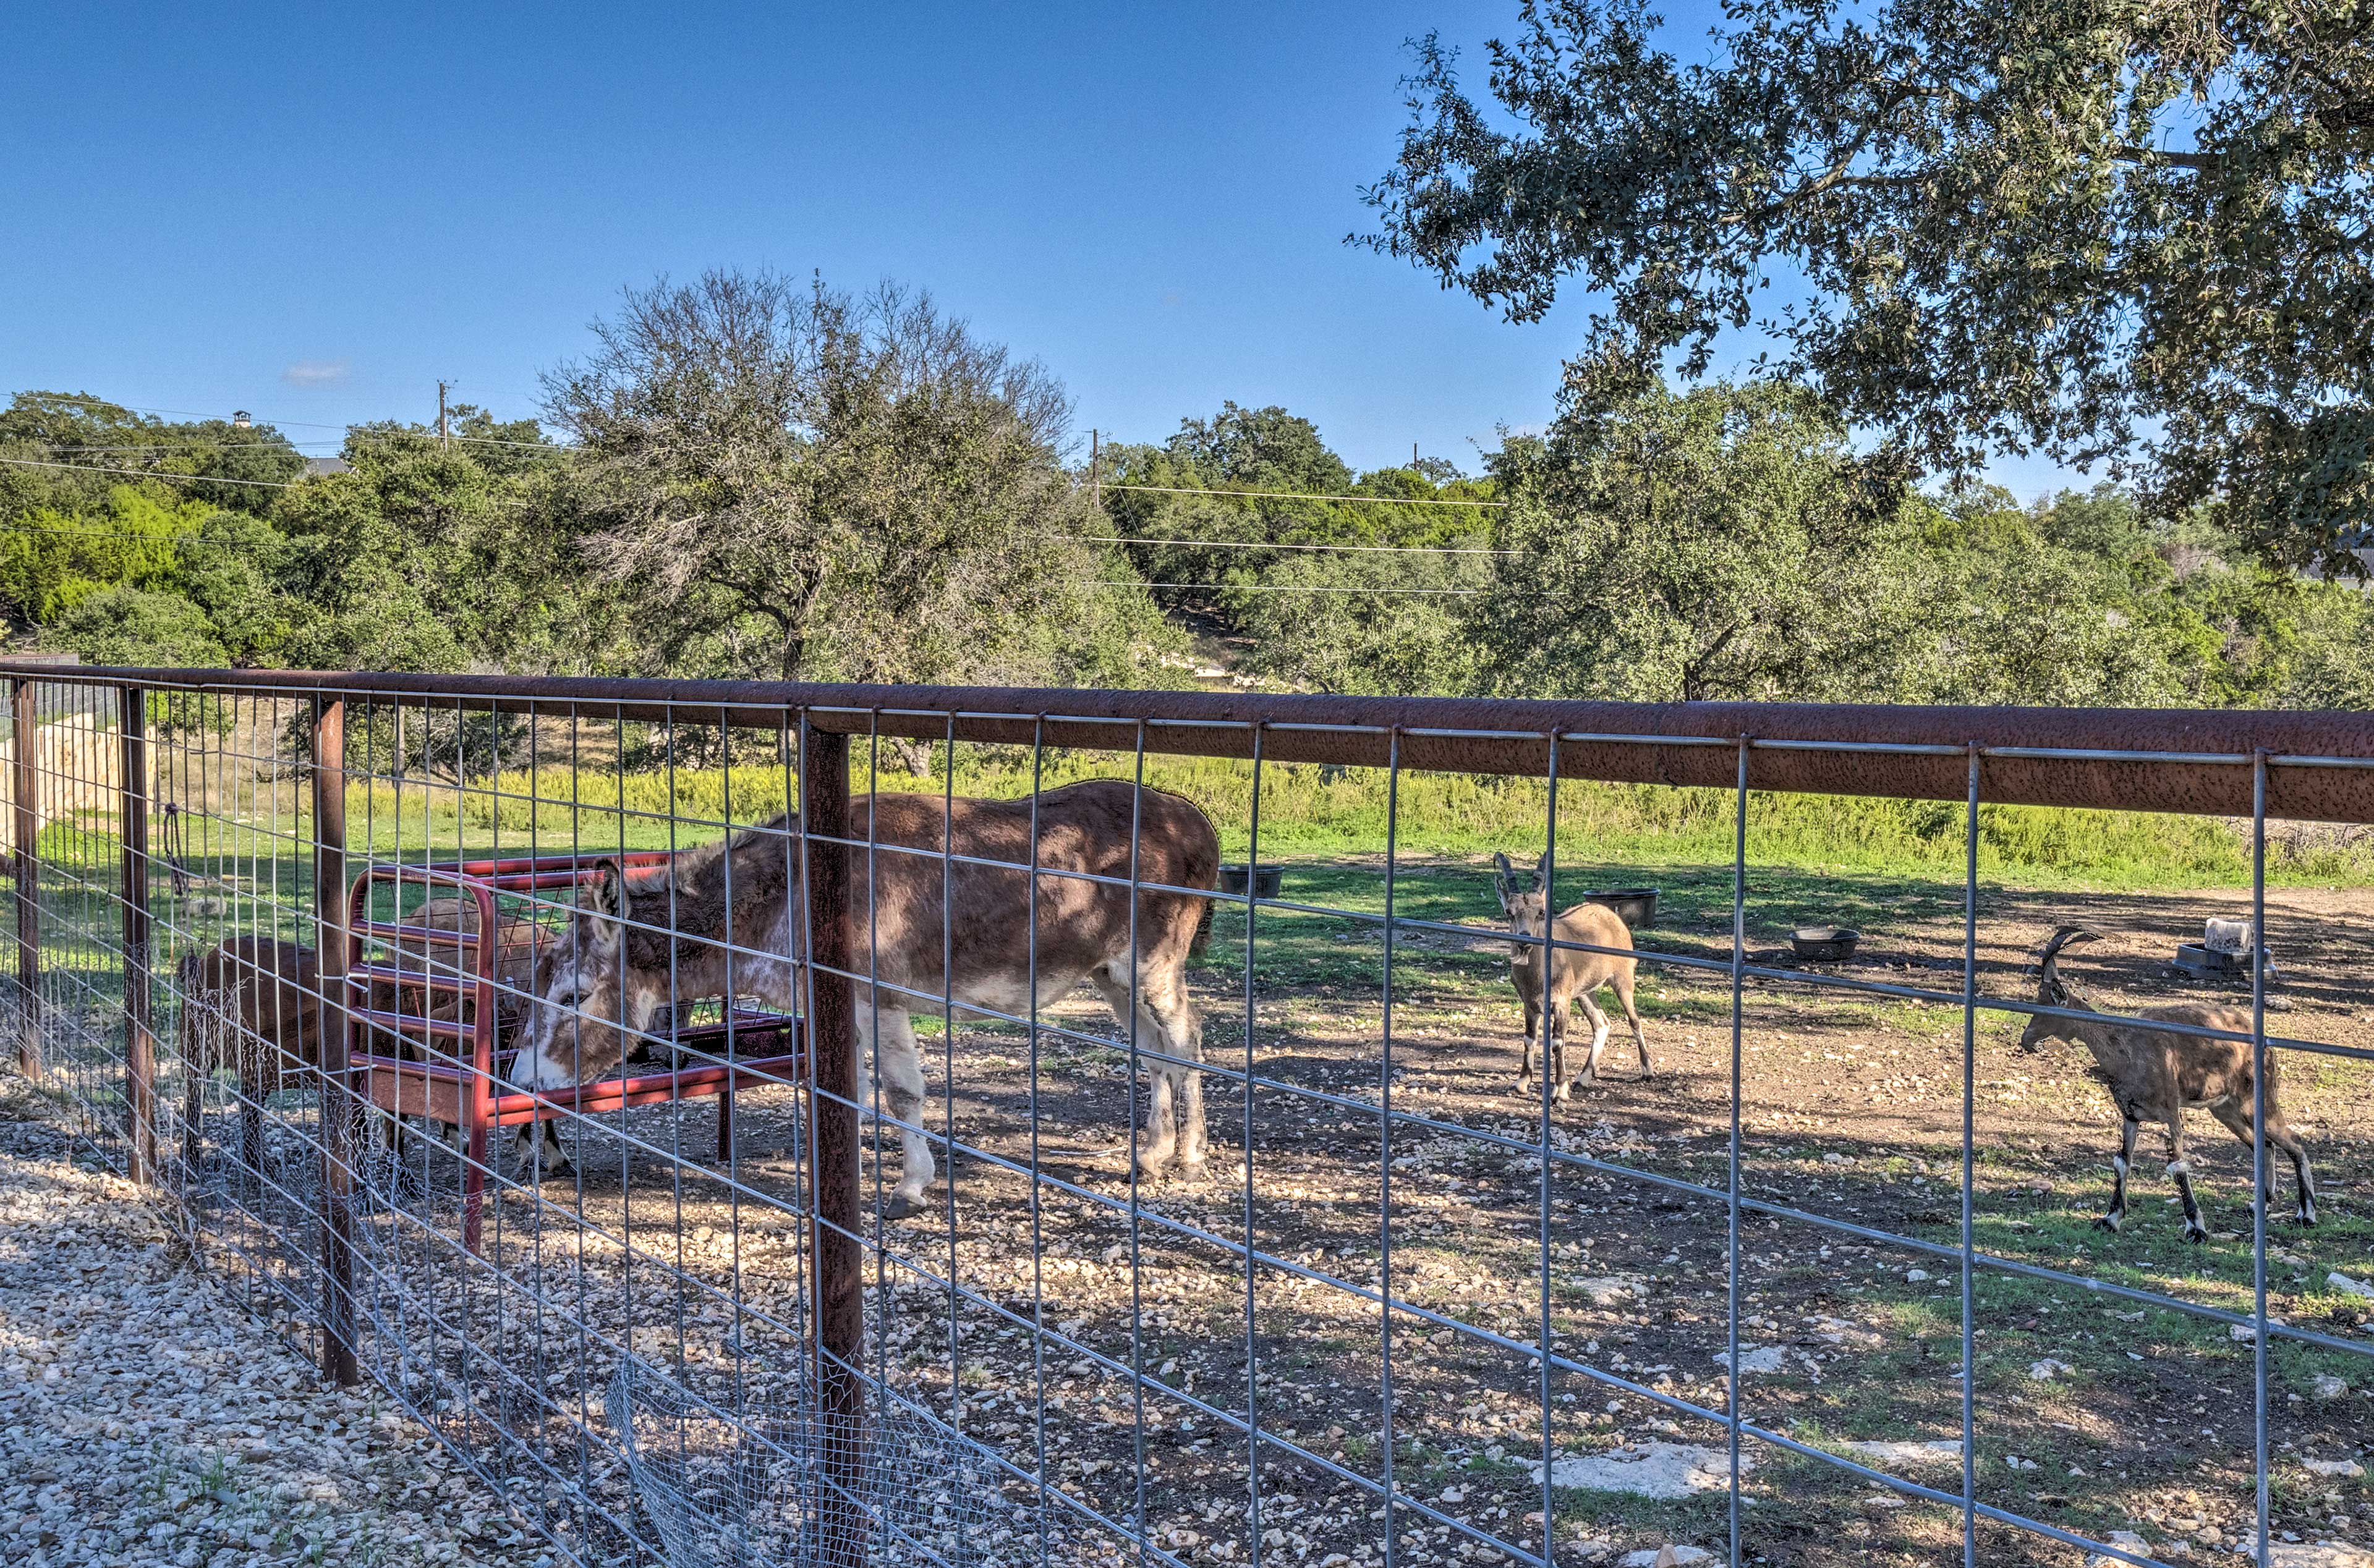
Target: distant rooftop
<point>325,465</point>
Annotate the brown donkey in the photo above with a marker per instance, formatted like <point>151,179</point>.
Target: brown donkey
<point>634,948</point>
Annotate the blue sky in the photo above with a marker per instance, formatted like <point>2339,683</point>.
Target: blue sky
<point>314,214</point>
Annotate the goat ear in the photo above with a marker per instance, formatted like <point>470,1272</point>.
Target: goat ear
<point>1542,873</point>
<point>1504,879</point>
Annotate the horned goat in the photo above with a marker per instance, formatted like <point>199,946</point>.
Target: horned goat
<point>2157,1075</point>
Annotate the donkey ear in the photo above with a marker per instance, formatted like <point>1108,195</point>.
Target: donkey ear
<point>607,896</point>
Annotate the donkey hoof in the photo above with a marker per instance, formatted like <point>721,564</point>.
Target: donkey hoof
<point>2196,1235</point>
<point>900,1206</point>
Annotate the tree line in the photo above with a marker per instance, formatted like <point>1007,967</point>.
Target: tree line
<point>753,476</point>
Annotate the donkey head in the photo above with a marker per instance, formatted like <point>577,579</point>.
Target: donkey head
<point>1527,906</point>
<point>591,1000</point>
<point>2052,990</point>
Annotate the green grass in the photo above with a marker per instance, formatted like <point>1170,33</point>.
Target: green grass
<point>1314,811</point>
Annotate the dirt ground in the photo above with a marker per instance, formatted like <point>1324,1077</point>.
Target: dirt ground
<point>2094,1412</point>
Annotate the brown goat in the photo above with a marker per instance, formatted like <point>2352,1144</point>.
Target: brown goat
<point>1573,977</point>
<point>2155,1075</point>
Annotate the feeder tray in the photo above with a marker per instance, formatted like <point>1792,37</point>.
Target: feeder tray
<point>1266,880</point>
<point>1826,944</point>
<point>2215,964</point>
<point>1637,907</point>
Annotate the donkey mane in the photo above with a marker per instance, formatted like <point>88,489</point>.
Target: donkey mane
<point>691,908</point>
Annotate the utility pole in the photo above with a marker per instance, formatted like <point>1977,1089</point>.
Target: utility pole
<point>444,441</point>
<point>1096,477</point>
<point>1413,454</point>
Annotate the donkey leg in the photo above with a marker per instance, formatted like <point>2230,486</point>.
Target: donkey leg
<point>1164,1005</point>
<point>1158,1137</point>
<point>2116,1216</point>
<point>901,1069</point>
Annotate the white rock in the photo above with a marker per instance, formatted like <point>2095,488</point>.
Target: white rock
<point>2348,1469</point>
<point>2125,1540</point>
<point>1755,1358</point>
<point>2315,1554</point>
<point>2349,1287</point>
<point>1934,1451</point>
<point>1609,1289</point>
<point>1915,1276</point>
<point>1665,1557</point>
<point>1668,1470</point>
<point>2328,1387</point>
<point>2244,1332</point>
<point>2048,1369</point>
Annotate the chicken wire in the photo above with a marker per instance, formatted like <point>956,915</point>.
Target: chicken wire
<point>742,1480</point>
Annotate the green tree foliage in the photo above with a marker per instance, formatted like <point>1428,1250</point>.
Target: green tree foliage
<point>791,481</point>
<point>1720,544</point>
<point>2098,230</point>
<point>428,555</point>
<point>221,465</point>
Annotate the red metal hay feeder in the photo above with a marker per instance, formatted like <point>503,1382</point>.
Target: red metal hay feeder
<point>463,1000</point>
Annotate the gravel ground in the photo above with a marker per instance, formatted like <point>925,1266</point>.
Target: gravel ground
<point>144,1419</point>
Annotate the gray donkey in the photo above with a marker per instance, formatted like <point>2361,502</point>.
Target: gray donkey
<point>1573,976</point>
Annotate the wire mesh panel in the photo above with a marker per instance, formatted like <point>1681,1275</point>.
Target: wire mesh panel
<point>791,1125</point>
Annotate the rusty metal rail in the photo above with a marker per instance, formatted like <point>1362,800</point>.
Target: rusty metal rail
<point>2133,759</point>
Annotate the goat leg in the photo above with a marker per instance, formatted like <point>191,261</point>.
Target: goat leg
<point>1533,1041</point>
<point>1591,1010</point>
<point>2128,1129</point>
<point>2179,1171</point>
<point>2230,1112</point>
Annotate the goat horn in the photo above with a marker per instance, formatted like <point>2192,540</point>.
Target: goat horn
<point>2067,936</point>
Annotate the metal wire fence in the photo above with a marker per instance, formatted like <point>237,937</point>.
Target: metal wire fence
<point>494,1037</point>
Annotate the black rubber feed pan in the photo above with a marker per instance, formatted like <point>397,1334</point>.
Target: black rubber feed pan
<point>2211,963</point>
<point>1637,907</point>
<point>1826,944</point>
<point>1265,881</point>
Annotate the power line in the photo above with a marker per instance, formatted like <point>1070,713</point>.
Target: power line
<point>192,445</point>
<point>1291,496</point>
<point>150,474</point>
<point>1257,544</point>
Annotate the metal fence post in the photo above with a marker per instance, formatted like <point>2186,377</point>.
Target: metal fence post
<point>338,1118</point>
<point>139,1035</point>
<point>28,881</point>
<point>836,1280</point>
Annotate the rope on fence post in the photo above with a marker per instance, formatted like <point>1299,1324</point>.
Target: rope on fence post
<point>337,1119</point>
<point>837,1279</point>
<point>140,1032</point>
<point>29,884</point>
